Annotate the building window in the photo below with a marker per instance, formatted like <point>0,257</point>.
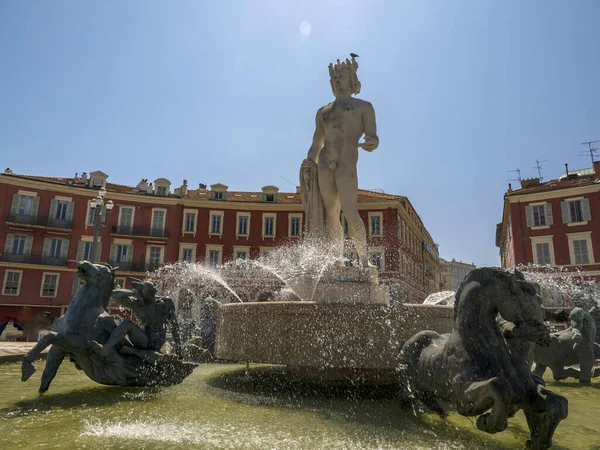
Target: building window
<point>242,225</point>
<point>213,258</point>
<point>162,191</point>
<point>375,228</point>
<point>218,195</point>
<point>190,222</point>
<point>345,227</point>
<point>61,210</point>
<point>543,254</point>
<point>268,225</point>
<point>580,251</point>
<point>158,222</point>
<point>539,215</point>
<point>376,260</point>
<point>155,255</point>
<point>12,282</point>
<point>216,223</point>
<point>187,254</point>
<point>120,283</point>
<point>18,246</point>
<point>295,221</point>
<point>49,285</point>
<point>269,197</point>
<point>125,219</point>
<point>97,182</point>
<point>25,205</point>
<point>241,255</point>
<point>576,210</point>
<point>121,253</point>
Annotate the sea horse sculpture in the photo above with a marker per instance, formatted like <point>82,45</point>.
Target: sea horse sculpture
<point>474,369</point>
<point>87,321</point>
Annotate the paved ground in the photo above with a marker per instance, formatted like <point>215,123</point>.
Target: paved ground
<point>14,351</point>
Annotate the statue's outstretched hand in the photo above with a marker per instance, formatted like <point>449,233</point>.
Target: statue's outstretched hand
<point>370,144</point>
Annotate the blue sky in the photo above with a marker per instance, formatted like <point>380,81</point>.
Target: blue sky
<point>227,92</point>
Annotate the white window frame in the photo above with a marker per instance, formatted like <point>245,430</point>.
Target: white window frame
<point>264,221</point>
<point>162,252</point>
<point>183,225</point>
<point>187,246</point>
<point>576,199</point>
<point>380,215</point>
<point>266,250</point>
<point>210,218</point>
<point>581,236</point>
<point>545,205</point>
<point>164,224</point>
<point>42,284</point>
<point>121,208</point>
<point>237,224</point>
<point>210,247</point>
<point>294,216</point>
<point>124,282</point>
<point>239,248</point>
<point>20,272</point>
<point>543,240</point>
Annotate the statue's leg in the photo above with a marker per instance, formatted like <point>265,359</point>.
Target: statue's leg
<point>127,328</point>
<point>331,203</point>
<point>495,393</point>
<point>53,362</point>
<point>540,369</point>
<point>543,424</point>
<point>586,363</point>
<point>347,183</point>
<point>27,367</point>
<point>560,372</point>
<point>147,355</point>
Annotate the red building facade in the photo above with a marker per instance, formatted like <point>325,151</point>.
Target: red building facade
<point>556,223</point>
<point>47,227</point>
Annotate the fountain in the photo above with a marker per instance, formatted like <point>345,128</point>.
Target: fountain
<point>331,337</point>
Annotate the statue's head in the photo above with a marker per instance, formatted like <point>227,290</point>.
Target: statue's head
<point>93,273</point>
<point>146,289</point>
<point>343,77</point>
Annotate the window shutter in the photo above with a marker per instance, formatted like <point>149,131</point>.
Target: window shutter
<point>47,243</point>
<point>103,214</point>
<point>8,245</point>
<point>16,201</point>
<point>28,245</point>
<point>548,212</point>
<point>70,209</point>
<point>64,248</point>
<point>529,216</point>
<point>113,253</point>
<point>35,207</point>
<point>129,256</point>
<point>53,208</point>
<point>98,255</point>
<point>585,210</point>
<point>566,214</point>
<point>80,251</point>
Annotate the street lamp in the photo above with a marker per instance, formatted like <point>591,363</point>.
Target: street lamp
<point>98,217</point>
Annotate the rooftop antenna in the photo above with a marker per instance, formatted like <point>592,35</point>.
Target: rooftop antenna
<point>539,167</point>
<point>591,149</point>
<point>518,174</point>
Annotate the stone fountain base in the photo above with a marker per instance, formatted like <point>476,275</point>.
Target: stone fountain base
<point>351,285</point>
<point>325,340</point>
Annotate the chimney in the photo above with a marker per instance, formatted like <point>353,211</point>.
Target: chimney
<point>597,169</point>
<point>297,189</point>
<point>530,182</point>
<point>184,189</point>
<point>567,170</point>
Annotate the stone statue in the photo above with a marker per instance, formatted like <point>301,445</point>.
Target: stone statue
<point>475,369</point>
<point>86,321</point>
<point>575,345</point>
<point>328,177</point>
<point>155,314</point>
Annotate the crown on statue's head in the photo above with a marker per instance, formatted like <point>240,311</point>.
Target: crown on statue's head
<point>351,66</point>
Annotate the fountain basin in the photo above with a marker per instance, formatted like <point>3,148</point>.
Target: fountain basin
<point>325,340</point>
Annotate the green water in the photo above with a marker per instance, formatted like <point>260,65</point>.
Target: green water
<point>220,406</point>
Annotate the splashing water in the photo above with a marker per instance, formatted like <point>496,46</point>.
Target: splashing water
<point>561,287</point>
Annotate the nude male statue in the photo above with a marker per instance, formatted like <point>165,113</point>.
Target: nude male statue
<point>155,313</point>
<point>334,152</point>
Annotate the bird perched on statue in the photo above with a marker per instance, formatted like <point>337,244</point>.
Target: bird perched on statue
<point>353,55</point>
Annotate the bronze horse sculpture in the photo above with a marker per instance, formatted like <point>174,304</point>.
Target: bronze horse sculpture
<point>87,320</point>
<point>474,369</point>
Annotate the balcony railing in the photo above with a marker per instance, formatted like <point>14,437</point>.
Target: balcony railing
<point>139,231</point>
<point>135,266</point>
<point>23,219</point>
<point>34,259</point>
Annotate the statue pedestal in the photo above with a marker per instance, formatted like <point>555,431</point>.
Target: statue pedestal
<point>351,285</point>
